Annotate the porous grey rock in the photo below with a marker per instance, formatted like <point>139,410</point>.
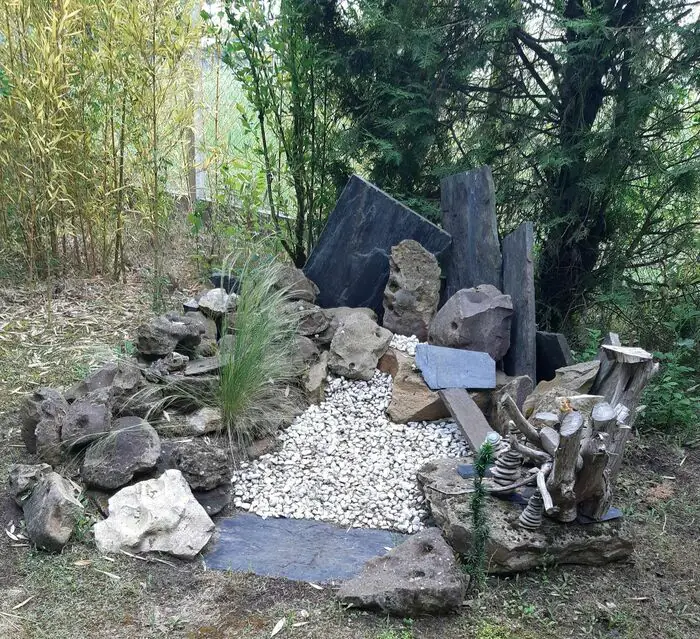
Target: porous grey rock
<point>157,515</point>
<point>357,346</point>
<point>295,284</point>
<point>411,399</point>
<point>578,378</point>
<point>475,319</point>
<point>22,479</point>
<point>216,302</point>
<point>468,206</point>
<point>350,261</point>
<point>314,379</point>
<point>132,448</point>
<point>87,419</point>
<point>51,512</point>
<point>43,403</point>
<point>208,346</point>
<point>337,316</point>
<point>215,500</point>
<point>512,548</point>
<point>203,465</point>
<point>420,576</point>
<point>312,319</point>
<point>307,352</point>
<point>167,333</point>
<point>205,420</point>
<point>99,379</point>
<point>48,439</point>
<point>412,293</point>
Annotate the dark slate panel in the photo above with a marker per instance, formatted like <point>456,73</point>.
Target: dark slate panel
<point>444,367</point>
<point>298,549</point>
<point>552,352</point>
<point>519,283</point>
<point>350,263</point>
<point>468,204</point>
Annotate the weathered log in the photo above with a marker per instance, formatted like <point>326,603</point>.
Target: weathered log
<point>519,420</point>
<point>506,490</point>
<point>603,418</point>
<point>549,440</point>
<point>617,440</point>
<point>563,476</point>
<point>623,374</point>
<point>537,456</point>
<point>542,474</point>
<point>544,419</point>
<point>593,490</point>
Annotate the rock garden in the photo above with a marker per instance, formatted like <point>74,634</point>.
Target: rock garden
<point>403,357</point>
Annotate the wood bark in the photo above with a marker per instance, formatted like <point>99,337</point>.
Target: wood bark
<point>593,490</point>
<point>563,476</point>
<point>519,420</point>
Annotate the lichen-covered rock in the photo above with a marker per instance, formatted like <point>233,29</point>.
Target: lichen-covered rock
<point>87,419</point>
<point>167,333</point>
<point>357,346</point>
<point>475,319</point>
<point>133,447</point>
<point>51,512</point>
<point>296,285</point>
<point>22,479</point>
<point>413,291</point>
<point>420,576</point>
<point>157,515</point>
<point>43,403</point>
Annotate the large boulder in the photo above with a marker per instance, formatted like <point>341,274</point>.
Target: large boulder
<point>87,419</point>
<point>157,515</point>
<point>22,479</point>
<point>43,403</point>
<point>411,399</point>
<point>357,346</point>
<point>51,512</point>
<point>412,293</point>
<point>133,447</point>
<point>420,576</point>
<point>295,284</point>
<point>337,316</point>
<point>167,333</point>
<point>475,319</point>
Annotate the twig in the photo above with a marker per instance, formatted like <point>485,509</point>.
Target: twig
<point>26,601</point>
<point>542,486</point>
<point>148,559</point>
<point>506,489</point>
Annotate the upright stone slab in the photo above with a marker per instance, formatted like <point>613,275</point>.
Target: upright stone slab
<point>519,283</point>
<point>552,352</point>
<point>468,204</point>
<point>350,263</point>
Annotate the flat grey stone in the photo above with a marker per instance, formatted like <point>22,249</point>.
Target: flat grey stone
<point>298,549</point>
<point>553,352</point>
<point>350,263</point>
<point>203,366</point>
<point>443,367</point>
<point>519,283</point>
<point>468,204</point>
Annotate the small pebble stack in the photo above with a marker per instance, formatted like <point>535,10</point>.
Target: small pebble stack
<point>343,461</point>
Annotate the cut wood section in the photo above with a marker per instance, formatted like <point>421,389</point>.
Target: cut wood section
<point>467,415</point>
<point>563,476</point>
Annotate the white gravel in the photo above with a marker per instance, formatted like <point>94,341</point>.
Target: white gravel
<point>345,462</point>
<point>405,344</point>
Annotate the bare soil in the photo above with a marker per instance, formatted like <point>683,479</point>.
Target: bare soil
<point>80,594</point>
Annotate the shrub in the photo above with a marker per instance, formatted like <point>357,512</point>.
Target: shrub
<point>257,387</point>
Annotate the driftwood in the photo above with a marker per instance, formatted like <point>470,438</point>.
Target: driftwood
<point>542,474</point>
<point>593,490</point>
<point>549,440</point>
<point>563,476</point>
<point>532,454</point>
<point>603,418</point>
<point>525,427</point>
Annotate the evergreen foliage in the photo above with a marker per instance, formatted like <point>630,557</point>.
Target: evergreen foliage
<point>476,562</point>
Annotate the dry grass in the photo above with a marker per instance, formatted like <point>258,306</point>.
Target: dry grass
<point>656,596</point>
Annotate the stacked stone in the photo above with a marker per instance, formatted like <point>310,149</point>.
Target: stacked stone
<point>531,517</point>
<point>506,470</point>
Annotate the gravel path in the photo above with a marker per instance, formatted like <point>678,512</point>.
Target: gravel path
<point>345,462</point>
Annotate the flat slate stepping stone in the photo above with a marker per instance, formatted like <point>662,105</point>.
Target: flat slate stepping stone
<point>350,263</point>
<point>444,367</point>
<point>297,549</point>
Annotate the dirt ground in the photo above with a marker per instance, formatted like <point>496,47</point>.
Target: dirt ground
<point>81,594</point>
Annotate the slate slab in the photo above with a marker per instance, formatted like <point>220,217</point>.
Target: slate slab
<point>519,283</point>
<point>298,549</point>
<point>552,352</point>
<point>443,367</point>
<point>350,263</point>
<point>468,204</point>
